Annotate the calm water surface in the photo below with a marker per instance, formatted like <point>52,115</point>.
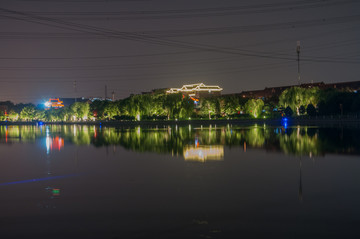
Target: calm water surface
<point>179,182</point>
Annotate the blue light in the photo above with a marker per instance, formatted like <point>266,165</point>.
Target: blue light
<point>196,142</point>
<point>284,122</point>
<point>40,123</point>
<point>39,179</point>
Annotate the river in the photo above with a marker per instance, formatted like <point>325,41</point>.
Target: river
<point>203,181</point>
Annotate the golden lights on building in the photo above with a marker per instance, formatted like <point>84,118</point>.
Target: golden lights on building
<point>197,90</point>
<point>54,103</point>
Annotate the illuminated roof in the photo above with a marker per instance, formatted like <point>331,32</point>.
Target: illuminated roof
<point>194,88</point>
<point>55,103</point>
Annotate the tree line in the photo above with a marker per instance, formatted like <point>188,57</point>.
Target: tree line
<point>294,101</point>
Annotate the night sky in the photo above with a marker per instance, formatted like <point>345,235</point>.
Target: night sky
<point>140,45</point>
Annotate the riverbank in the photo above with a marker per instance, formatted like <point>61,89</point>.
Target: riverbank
<point>326,121</point>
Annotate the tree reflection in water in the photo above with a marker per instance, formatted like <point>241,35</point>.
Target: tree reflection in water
<point>195,143</point>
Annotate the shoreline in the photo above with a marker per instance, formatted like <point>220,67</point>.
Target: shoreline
<point>291,121</point>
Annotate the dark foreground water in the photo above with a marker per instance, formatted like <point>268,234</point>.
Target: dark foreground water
<point>179,182</point>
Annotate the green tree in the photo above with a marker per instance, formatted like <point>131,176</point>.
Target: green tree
<point>111,110</point>
<point>28,113</point>
<point>80,110</point>
<point>158,102</point>
<point>146,105</point>
<point>84,110</point>
<point>254,107</point>
<point>51,115</point>
<point>186,108</point>
<point>2,116</point>
<point>206,108</point>
<point>310,110</point>
<point>64,114</point>
<point>40,114</point>
<point>97,108</point>
<point>172,105</point>
<point>294,97</point>
<point>338,102</point>
<point>231,105</point>
<point>210,107</point>
<point>13,116</point>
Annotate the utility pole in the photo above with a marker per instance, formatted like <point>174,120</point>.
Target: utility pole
<point>75,89</point>
<point>105,92</point>
<point>113,96</point>
<point>298,59</point>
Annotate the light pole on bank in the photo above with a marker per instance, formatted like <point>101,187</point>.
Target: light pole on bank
<point>75,89</point>
<point>298,59</point>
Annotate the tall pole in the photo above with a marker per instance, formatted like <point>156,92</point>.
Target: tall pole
<point>75,89</point>
<point>105,92</point>
<point>298,59</point>
<point>113,96</point>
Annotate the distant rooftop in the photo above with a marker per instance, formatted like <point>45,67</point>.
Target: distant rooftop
<point>192,88</point>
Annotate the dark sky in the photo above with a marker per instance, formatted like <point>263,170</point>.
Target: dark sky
<point>139,45</point>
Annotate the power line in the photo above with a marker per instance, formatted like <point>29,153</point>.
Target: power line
<point>198,12</point>
<point>82,1</point>
<point>310,36</point>
<point>121,78</point>
<point>155,40</point>
<point>191,32</point>
<point>99,57</point>
<point>128,66</point>
<point>165,42</point>
<point>137,65</point>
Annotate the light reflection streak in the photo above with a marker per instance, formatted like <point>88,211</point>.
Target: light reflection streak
<point>53,143</point>
<point>39,179</point>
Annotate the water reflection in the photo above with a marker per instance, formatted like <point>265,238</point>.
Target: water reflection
<point>203,153</point>
<point>193,143</point>
<point>53,142</point>
<point>226,177</point>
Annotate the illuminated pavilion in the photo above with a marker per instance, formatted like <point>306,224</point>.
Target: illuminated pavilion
<point>197,90</point>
